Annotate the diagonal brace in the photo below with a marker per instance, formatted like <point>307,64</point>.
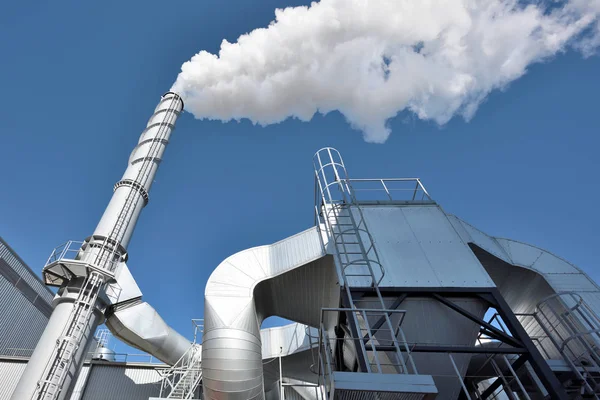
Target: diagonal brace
<point>497,332</point>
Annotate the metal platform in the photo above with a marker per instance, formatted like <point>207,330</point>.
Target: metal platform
<point>69,261</point>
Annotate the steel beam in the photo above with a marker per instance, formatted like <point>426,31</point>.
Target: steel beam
<point>496,384</point>
<point>381,320</point>
<point>537,361</point>
<point>453,349</point>
<point>505,338</point>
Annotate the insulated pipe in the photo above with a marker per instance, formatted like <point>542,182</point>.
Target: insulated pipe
<point>140,326</point>
<point>105,249</point>
<point>131,192</point>
<point>242,291</point>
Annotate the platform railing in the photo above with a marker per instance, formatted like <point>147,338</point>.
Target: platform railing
<point>563,326</point>
<point>389,189</point>
<point>117,357</point>
<point>73,252</point>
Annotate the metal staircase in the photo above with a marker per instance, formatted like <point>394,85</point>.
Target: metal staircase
<point>182,380</point>
<point>571,332</point>
<point>380,347</point>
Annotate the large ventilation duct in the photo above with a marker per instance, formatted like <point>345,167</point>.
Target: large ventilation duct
<point>140,326</point>
<point>58,356</point>
<point>242,291</point>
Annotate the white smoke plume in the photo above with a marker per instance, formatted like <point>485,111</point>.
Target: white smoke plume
<point>371,59</point>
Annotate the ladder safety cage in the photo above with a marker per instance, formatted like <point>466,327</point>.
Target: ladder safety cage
<point>358,263</point>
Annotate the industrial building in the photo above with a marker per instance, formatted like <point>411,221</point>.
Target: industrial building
<point>391,298</point>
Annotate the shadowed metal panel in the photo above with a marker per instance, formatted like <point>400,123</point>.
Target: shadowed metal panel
<point>24,271</point>
<point>21,323</point>
<point>122,383</point>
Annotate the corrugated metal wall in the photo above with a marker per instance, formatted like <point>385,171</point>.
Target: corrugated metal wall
<point>32,279</point>
<point>25,305</point>
<point>96,381</point>
<point>10,372</point>
<point>122,383</point>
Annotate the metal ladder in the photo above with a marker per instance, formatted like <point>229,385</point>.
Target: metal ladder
<point>69,342</point>
<point>355,253</point>
<point>107,257</point>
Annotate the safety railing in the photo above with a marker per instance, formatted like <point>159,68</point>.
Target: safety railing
<point>115,357</point>
<point>135,358</point>
<point>564,327</point>
<point>68,250</point>
<point>73,251</point>
<point>389,189</point>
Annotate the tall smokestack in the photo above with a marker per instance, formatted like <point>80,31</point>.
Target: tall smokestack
<point>78,309</point>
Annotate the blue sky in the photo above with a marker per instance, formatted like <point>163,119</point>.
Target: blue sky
<point>80,79</point>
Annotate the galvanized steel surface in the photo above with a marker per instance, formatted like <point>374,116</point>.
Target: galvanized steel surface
<point>140,326</point>
<point>231,352</point>
<point>559,274</point>
<point>418,246</point>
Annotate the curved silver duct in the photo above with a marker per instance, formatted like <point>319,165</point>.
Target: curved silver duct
<point>243,291</point>
<point>140,326</point>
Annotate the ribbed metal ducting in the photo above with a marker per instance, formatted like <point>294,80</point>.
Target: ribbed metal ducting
<point>231,351</point>
<point>125,382</point>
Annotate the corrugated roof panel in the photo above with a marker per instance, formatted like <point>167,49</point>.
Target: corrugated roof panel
<point>24,271</point>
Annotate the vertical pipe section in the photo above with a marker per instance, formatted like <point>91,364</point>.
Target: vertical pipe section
<point>131,192</point>
<point>104,248</point>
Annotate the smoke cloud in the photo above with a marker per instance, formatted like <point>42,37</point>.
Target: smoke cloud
<point>372,59</point>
